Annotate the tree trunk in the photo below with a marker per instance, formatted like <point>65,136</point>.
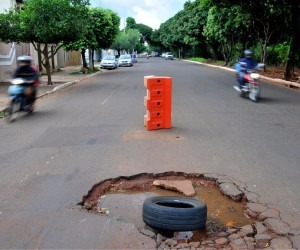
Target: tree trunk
<point>295,9</point>
<point>90,59</point>
<point>47,64</point>
<point>93,61</point>
<point>39,58</point>
<point>52,59</point>
<point>84,64</point>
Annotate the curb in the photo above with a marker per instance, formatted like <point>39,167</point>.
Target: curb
<point>67,84</point>
<point>285,83</point>
<point>57,88</point>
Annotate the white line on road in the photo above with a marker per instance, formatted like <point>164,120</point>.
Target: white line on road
<point>107,98</point>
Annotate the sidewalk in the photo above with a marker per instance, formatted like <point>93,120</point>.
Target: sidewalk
<point>64,78</point>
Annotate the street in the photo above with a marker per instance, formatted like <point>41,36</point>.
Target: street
<point>94,130</point>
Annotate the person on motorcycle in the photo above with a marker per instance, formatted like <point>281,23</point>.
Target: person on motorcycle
<point>246,63</point>
<point>26,71</point>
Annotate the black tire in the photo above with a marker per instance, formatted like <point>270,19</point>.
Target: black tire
<point>9,112</point>
<point>174,213</point>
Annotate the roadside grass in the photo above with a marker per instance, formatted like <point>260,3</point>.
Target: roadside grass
<point>88,71</point>
<point>209,61</point>
<point>2,114</point>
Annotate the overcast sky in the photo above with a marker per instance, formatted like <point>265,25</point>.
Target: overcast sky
<point>148,12</point>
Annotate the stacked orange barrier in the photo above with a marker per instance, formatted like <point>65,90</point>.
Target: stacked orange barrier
<point>158,102</point>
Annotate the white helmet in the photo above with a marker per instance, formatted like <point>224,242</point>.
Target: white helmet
<point>248,53</point>
<point>25,59</point>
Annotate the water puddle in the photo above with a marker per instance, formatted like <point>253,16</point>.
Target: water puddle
<point>223,212</point>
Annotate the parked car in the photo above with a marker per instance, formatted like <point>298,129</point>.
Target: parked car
<point>109,62</point>
<point>169,56</point>
<point>125,60</point>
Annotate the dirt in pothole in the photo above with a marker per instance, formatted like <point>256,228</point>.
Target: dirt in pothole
<point>139,182</point>
<point>119,197</point>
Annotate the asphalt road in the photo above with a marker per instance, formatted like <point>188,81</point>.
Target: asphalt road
<point>94,130</point>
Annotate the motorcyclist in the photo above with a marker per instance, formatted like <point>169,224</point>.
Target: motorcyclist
<point>26,71</point>
<point>245,63</point>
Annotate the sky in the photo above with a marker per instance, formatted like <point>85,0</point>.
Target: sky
<point>149,12</point>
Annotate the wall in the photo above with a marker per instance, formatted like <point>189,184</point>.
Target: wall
<point>7,51</point>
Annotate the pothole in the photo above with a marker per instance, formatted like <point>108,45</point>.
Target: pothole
<point>235,219</point>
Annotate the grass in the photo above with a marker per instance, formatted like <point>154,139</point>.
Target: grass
<point>198,59</point>
<point>210,61</point>
<point>2,114</point>
<point>77,72</point>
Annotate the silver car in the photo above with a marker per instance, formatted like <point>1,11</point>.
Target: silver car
<point>125,60</point>
<point>109,62</point>
<point>169,56</point>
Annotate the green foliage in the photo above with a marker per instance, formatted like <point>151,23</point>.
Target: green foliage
<point>227,26</point>
<point>130,23</point>
<point>2,114</point>
<point>140,48</point>
<point>145,31</point>
<point>89,71</point>
<point>101,29</point>
<point>210,61</point>
<point>133,37</point>
<point>279,53</point>
<point>47,22</point>
<point>9,26</point>
<point>198,59</point>
<point>127,41</point>
<point>224,29</point>
<point>53,21</point>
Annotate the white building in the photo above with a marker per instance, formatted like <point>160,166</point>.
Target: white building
<point>8,52</point>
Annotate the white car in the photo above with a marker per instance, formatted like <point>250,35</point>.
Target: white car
<point>125,60</point>
<point>109,62</point>
<point>169,56</point>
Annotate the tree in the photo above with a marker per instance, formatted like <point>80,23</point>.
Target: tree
<point>145,31</point>
<point>128,41</point>
<point>295,39</point>
<point>9,26</point>
<point>191,24</point>
<point>273,20</point>
<point>48,22</point>
<point>130,23</point>
<point>101,30</point>
<point>156,43</point>
<point>226,26</point>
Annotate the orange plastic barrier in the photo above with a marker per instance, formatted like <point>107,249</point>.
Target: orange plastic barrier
<point>158,102</point>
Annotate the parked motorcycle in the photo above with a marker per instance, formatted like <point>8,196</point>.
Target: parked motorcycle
<point>19,92</point>
<point>252,88</point>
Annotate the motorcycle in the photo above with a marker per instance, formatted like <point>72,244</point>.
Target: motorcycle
<point>19,92</point>
<point>251,89</point>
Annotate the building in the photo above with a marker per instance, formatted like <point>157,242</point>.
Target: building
<point>9,52</point>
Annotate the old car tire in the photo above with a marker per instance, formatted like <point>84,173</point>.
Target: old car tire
<point>174,213</point>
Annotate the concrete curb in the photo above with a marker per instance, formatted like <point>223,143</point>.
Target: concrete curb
<point>67,84</point>
<point>276,80</point>
<point>57,88</point>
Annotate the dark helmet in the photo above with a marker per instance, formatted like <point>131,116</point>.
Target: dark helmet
<point>248,53</point>
<point>25,59</point>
